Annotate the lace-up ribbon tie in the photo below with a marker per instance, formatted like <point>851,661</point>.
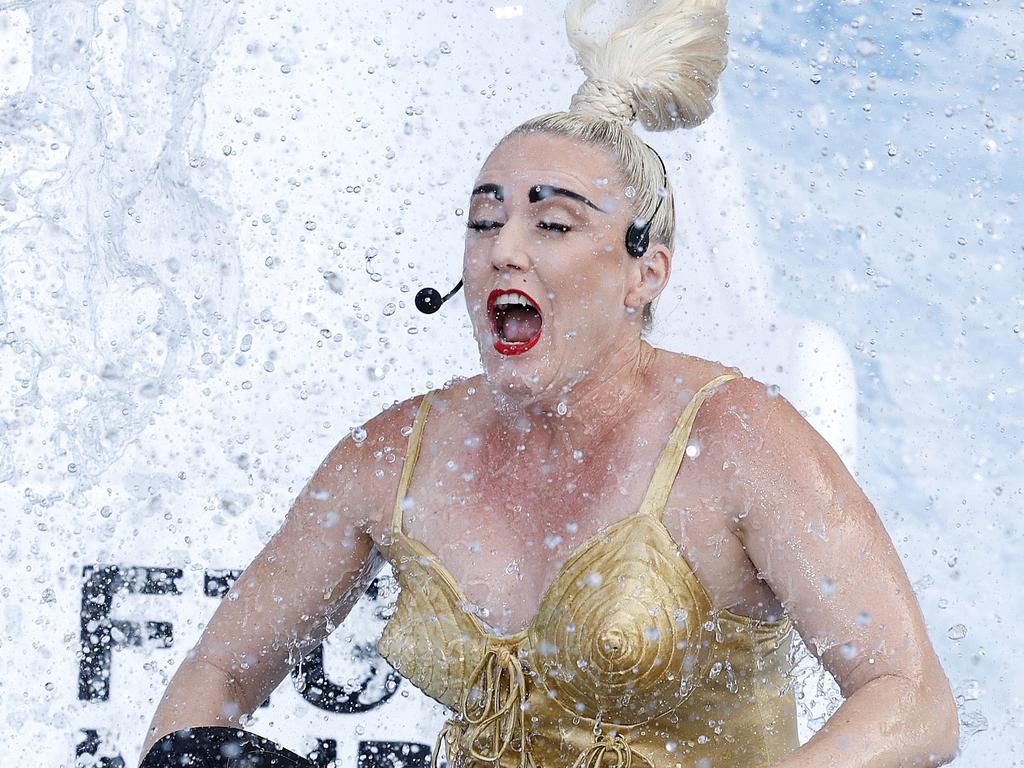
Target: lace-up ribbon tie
<point>497,718</point>
<point>594,755</point>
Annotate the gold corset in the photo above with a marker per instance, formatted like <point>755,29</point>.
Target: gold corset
<point>626,661</point>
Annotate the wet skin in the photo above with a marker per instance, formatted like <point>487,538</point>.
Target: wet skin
<point>765,513</point>
<point>505,489</point>
<point>549,220</point>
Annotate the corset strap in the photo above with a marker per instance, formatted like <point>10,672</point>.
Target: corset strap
<point>495,720</point>
<point>615,745</point>
<point>450,734</point>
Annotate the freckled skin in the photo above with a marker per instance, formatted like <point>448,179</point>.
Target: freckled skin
<point>506,488</point>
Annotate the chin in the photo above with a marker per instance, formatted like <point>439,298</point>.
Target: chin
<point>519,377</point>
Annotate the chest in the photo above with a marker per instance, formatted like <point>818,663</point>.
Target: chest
<point>623,601</point>
<point>504,537</point>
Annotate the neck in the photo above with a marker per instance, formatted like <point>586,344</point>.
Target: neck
<point>575,416</point>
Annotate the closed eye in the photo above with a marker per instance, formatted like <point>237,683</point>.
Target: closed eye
<point>554,226</point>
<point>485,225</point>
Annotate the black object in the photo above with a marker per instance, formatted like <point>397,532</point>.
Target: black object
<point>638,237</point>
<point>219,747</point>
<point>428,300</point>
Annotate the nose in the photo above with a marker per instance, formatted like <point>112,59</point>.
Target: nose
<point>508,250</point>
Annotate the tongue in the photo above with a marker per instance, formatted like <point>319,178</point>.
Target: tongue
<point>519,324</point>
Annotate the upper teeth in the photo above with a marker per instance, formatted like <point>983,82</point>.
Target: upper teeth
<point>513,298</point>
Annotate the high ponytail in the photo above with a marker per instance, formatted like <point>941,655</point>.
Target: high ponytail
<point>661,67</point>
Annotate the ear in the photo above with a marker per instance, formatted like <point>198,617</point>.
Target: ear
<point>648,276</point>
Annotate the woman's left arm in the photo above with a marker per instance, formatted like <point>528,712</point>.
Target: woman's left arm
<point>817,541</point>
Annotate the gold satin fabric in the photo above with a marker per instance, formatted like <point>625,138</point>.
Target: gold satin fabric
<point>626,662</point>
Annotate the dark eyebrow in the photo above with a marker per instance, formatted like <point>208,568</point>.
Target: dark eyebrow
<point>537,193</point>
<point>544,191</point>
<point>490,189</point>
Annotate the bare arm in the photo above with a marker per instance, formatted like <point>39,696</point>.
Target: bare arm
<point>818,542</point>
<point>292,595</point>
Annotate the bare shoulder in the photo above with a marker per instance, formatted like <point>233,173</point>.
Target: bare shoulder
<point>738,411</point>
<point>367,463</point>
<point>743,426</point>
<point>778,460</point>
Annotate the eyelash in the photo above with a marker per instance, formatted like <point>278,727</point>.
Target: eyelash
<point>551,226</point>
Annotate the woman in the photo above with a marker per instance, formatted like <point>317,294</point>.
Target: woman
<point>603,548</point>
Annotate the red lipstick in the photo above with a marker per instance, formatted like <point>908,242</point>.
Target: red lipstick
<point>510,347</point>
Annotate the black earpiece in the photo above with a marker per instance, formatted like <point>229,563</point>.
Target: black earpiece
<point>638,236</point>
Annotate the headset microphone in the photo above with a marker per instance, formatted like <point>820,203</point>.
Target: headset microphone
<point>429,300</point>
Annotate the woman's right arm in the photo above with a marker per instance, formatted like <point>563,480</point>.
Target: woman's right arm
<point>292,595</point>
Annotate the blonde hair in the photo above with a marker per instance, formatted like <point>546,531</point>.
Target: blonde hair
<point>661,67</point>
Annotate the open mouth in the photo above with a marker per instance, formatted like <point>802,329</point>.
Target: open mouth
<point>515,321</point>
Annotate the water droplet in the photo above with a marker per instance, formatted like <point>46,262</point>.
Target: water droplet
<point>972,723</point>
<point>445,47</point>
<point>389,309</point>
<point>310,226</point>
<point>957,632</point>
<point>828,587</point>
<point>866,46</point>
<point>815,78</point>
<point>335,282</point>
<point>358,435</point>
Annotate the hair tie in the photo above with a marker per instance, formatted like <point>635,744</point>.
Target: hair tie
<point>607,99</point>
